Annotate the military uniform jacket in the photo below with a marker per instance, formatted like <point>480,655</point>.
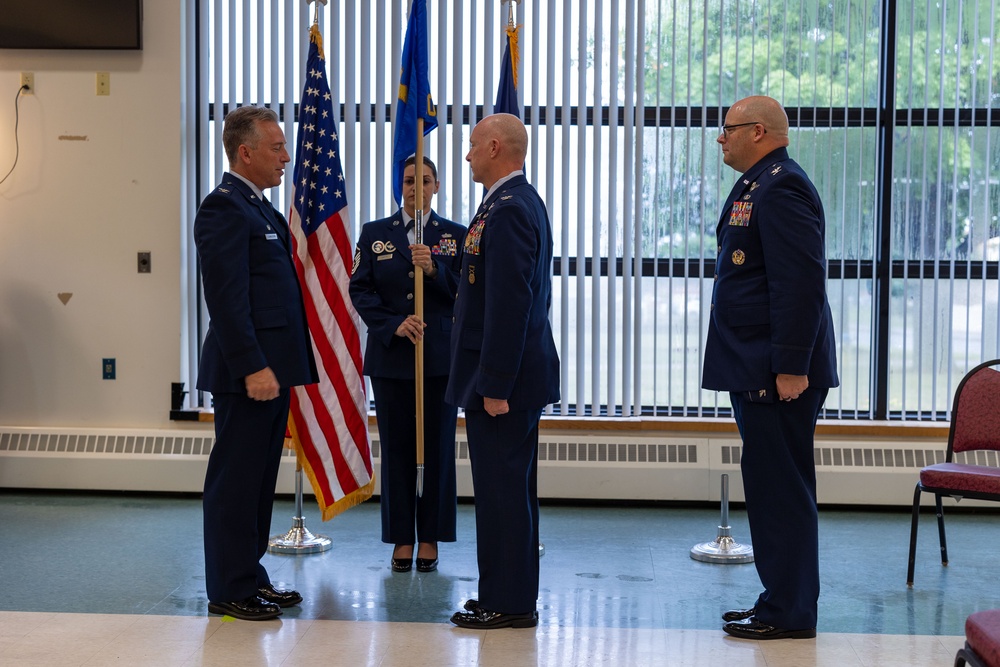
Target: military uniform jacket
<point>252,292</point>
<point>382,292</point>
<point>770,312</point>
<point>502,345</point>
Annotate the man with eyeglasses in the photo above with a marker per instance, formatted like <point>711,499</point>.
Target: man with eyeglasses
<point>771,345</point>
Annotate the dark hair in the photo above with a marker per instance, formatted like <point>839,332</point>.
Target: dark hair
<point>427,161</point>
<point>241,128</point>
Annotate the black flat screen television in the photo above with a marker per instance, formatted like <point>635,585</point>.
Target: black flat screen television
<point>70,24</point>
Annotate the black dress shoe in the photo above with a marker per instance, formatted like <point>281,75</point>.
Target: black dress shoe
<point>738,614</point>
<point>252,608</point>
<point>279,597</point>
<point>483,619</point>
<point>427,564</point>
<point>471,605</point>
<point>402,564</point>
<point>751,628</point>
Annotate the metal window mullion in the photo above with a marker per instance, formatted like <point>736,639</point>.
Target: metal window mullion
<point>655,318</point>
<point>382,151</point>
<point>952,253</point>
<point>368,207</point>
<point>457,174</point>
<point>939,212</point>
<point>440,49</point>
<point>475,48</point>
<point>703,212</point>
<point>595,210</point>
<point>612,215</point>
<point>194,59</point>
<point>564,238</point>
<point>636,138</point>
<point>581,194</point>
<point>907,241</point>
<point>534,56</point>
<point>984,354</point>
<point>286,106</point>
<point>630,373</point>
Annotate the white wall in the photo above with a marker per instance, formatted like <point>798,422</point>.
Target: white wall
<point>73,215</point>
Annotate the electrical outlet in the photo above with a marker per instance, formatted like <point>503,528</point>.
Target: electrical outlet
<point>108,368</point>
<point>27,83</point>
<point>145,262</point>
<point>104,83</point>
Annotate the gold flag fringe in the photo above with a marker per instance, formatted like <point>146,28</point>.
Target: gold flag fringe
<point>515,51</point>
<point>352,499</point>
<point>316,37</point>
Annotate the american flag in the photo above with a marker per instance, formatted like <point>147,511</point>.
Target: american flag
<point>329,420</point>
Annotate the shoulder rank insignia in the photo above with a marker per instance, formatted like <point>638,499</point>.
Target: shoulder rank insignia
<point>505,198</point>
<point>221,189</point>
<point>774,172</point>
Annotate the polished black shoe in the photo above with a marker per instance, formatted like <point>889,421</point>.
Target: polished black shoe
<point>402,564</point>
<point>738,614</point>
<point>483,619</point>
<point>751,628</point>
<point>427,564</point>
<point>252,608</point>
<point>279,597</point>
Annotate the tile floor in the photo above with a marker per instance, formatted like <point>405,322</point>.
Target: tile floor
<point>105,579</point>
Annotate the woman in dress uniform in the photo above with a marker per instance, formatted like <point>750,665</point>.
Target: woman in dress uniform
<point>382,292</point>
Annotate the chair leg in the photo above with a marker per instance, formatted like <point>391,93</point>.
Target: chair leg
<point>913,534</point>
<point>940,521</point>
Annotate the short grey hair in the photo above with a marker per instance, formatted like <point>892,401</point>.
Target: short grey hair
<point>241,128</point>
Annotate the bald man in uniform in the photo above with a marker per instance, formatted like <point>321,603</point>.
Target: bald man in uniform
<point>771,345</point>
<point>504,371</point>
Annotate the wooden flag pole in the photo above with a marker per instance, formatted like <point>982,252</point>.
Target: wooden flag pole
<point>418,300</point>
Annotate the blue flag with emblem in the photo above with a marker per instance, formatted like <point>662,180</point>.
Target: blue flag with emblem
<point>414,95</point>
<point>507,90</point>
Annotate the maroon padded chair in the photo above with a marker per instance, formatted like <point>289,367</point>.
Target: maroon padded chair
<point>982,640</point>
<point>975,425</point>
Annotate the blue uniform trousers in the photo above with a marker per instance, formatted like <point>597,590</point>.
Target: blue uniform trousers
<point>779,482</point>
<point>503,451</point>
<point>435,511</point>
<point>239,492</point>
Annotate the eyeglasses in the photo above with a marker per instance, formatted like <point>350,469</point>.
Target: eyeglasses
<point>725,128</point>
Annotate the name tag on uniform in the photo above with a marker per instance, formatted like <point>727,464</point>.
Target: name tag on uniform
<point>271,237</point>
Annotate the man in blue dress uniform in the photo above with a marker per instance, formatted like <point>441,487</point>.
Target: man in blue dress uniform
<point>257,347</point>
<point>504,371</point>
<point>382,293</point>
<point>771,345</point>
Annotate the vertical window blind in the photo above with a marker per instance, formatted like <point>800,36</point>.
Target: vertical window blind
<point>893,114</point>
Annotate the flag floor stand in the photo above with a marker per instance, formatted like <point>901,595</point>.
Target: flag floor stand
<point>298,540</point>
<point>723,549</point>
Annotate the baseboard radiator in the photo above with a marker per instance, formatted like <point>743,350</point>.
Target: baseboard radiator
<point>598,466</point>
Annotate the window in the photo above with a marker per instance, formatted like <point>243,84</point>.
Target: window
<point>893,114</point>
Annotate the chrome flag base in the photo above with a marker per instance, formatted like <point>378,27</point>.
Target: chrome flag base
<point>298,540</point>
<point>723,549</point>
